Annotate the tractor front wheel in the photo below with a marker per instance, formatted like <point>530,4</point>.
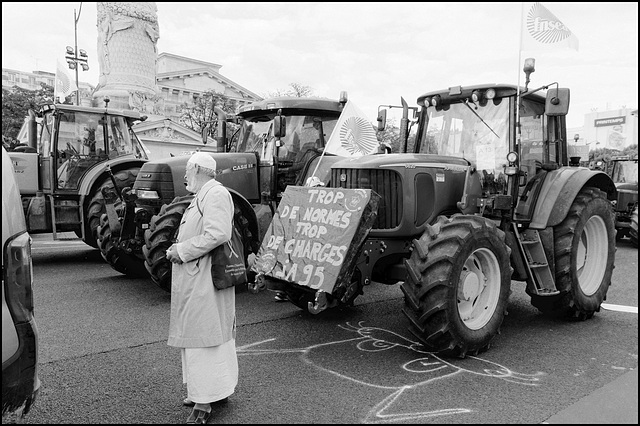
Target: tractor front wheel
<point>131,264</point>
<point>163,230</point>
<point>457,286</point>
<point>96,208</point>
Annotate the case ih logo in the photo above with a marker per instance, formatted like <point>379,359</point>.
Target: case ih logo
<point>543,26</point>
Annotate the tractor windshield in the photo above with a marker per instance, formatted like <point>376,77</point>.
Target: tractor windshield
<point>303,133</point>
<point>83,139</point>
<point>625,172</point>
<point>480,134</point>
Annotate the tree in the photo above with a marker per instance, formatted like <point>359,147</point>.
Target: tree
<point>201,113</point>
<point>16,103</point>
<point>391,135</point>
<point>295,89</point>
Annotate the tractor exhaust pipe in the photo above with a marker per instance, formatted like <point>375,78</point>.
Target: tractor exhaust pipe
<point>404,125</point>
<point>32,130</point>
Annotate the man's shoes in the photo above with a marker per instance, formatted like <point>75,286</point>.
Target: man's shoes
<point>198,417</point>
<point>281,297</point>
<point>189,403</point>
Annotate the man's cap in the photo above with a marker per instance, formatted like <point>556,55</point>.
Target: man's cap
<point>205,161</point>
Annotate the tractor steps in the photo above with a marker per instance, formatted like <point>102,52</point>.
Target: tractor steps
<point>538,269</point>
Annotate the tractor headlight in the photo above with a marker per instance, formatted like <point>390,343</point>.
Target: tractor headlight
<point>512,157</point>
<point>147,195</point>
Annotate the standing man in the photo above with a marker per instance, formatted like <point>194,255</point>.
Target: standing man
<point>203,319</point>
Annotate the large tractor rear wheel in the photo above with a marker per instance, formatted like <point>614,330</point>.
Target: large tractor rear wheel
<point>163,230</point>
<point>585,246</point>
<point>458,284</point>
<point>130,264</point>
<point>96,207</point>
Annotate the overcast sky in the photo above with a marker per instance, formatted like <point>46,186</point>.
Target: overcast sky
<point>377,52</point>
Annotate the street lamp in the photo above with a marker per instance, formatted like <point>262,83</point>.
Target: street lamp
<point>75,56</point>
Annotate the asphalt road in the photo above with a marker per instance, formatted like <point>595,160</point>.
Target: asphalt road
<point>104,358</point>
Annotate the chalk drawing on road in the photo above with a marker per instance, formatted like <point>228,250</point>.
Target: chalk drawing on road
<point>376,370</point>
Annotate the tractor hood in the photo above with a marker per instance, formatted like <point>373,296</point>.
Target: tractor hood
<point>377,161</point>
<point>236,171</point>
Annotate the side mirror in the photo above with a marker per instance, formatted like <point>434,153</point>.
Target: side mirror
<point>382,119</point>
<point>279,126</point>
<point>557,102</point>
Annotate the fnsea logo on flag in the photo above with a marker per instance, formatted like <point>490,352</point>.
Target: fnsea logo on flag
<point>353,135</point>
<point>542,30</point>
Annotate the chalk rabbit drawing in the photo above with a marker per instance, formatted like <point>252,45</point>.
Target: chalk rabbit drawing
<point>419,371</point>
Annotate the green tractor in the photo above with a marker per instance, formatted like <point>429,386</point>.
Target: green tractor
<point>73,152</point>
<point>482,197</point>
<point>278,143</point>
<point>623,170</point>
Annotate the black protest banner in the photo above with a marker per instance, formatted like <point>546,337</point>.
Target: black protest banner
<point>316,234</point>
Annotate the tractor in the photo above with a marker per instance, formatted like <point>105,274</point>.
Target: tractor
<point>483,196</point>
<point>278,142</point>
<point>73,152</point>
<point>623,170</point>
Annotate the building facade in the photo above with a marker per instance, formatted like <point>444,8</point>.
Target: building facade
<point>613,129</point>
<point>32,80</point>
<point>180,81</point>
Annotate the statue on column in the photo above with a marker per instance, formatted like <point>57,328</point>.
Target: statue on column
<point>128,33</point>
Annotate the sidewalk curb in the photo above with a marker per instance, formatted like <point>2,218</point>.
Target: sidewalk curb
<point>614,403</point>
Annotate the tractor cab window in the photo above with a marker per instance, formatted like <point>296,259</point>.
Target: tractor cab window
<point>253,135</point>
<point>534,149</point>
<point>478,133</point>
<point>305,138</point>
<point>120,141</point>
<point>46,129</point>
<point>303,133</point>
<point>79,146</point>
<point>625,172</point>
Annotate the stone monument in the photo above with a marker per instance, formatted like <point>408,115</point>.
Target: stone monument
<point>128,33</point>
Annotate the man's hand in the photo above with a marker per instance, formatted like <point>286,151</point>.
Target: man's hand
<point>172,255</point>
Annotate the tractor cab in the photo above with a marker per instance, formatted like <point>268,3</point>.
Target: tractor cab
<point>506,142</point>
<point>287,134</point>
<point>71,140</point>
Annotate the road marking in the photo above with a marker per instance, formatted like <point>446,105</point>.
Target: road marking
<point>40,246</point>
<point>620,308</point>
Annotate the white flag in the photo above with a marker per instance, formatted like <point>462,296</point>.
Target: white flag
<point>353,135</point>
<point>65,84</point>
<point>541,30</point>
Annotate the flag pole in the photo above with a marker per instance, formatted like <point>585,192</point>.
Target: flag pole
<point>55,85</point>
<point>518,130</point>
<point>310,180</point>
